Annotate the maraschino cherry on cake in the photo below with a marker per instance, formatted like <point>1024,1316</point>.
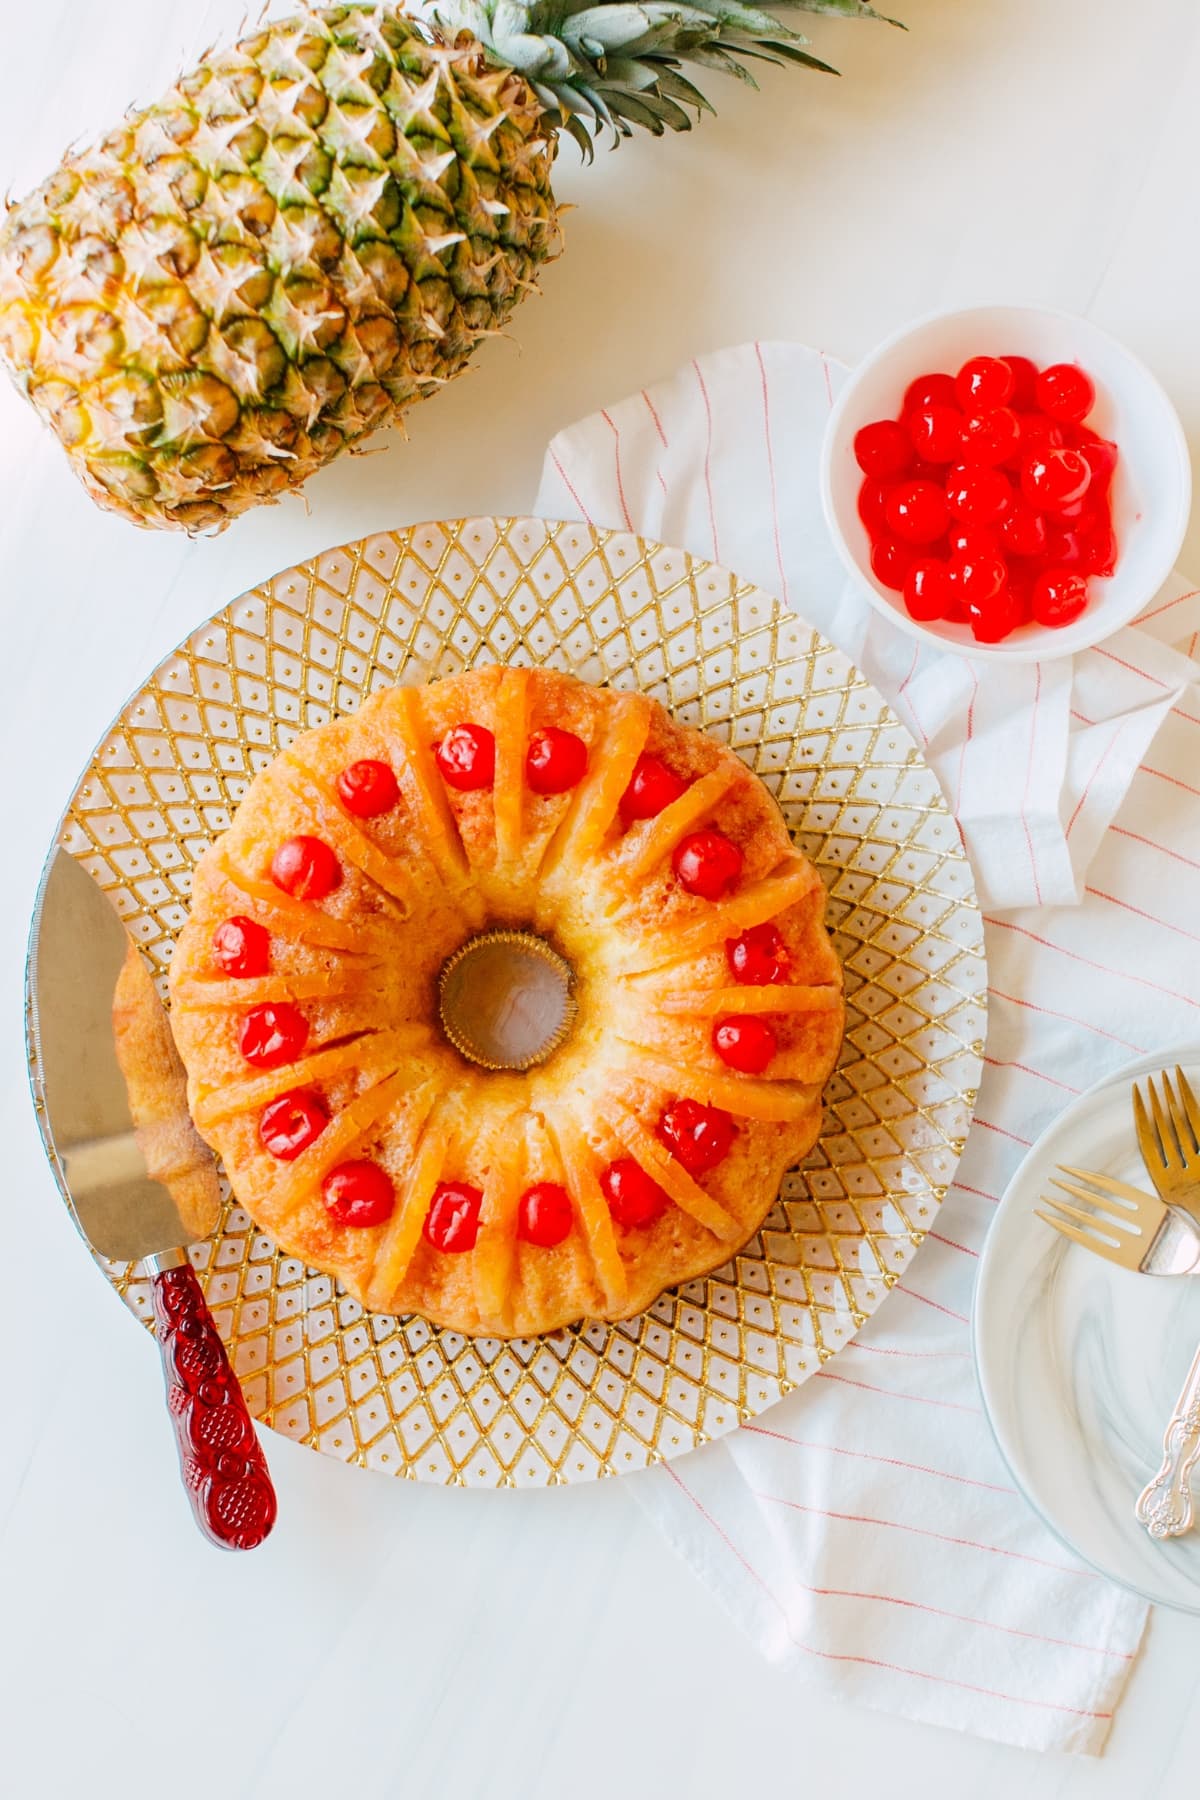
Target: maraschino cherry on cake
<point>334,989</point>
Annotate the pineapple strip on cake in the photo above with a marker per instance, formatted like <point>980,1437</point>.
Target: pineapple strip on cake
<point>596,801</point>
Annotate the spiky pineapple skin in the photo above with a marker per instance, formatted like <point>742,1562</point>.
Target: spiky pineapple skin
<point>306,234</point>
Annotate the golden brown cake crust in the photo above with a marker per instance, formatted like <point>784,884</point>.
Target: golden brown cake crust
<point>651,977</point>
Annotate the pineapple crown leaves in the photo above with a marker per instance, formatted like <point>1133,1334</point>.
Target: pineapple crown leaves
<point>618,63</point>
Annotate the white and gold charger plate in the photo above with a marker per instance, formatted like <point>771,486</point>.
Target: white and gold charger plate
<point>396,1394</point>
<point>1080,1361</point>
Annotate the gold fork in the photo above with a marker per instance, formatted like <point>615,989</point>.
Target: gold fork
<point>1124,1224</point>
<point>1168,1136</point>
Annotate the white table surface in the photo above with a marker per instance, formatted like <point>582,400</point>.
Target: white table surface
<point>533,1645</point>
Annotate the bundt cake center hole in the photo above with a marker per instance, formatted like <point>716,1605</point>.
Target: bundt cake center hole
<point>506,999</point>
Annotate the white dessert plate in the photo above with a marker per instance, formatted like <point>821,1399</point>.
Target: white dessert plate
<point>1080,1361</point>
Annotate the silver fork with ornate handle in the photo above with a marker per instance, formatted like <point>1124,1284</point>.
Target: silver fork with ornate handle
<point>1168,1133</point>
<point>1165,1507</point>
<point>1140,1232</point>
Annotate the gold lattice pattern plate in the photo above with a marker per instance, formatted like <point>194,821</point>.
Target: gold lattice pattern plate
<point>395,1393</point>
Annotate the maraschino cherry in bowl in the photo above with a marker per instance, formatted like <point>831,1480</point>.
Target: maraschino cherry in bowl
<point>998,417</point>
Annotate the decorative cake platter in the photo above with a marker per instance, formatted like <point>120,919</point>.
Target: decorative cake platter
<point>396,1394</point>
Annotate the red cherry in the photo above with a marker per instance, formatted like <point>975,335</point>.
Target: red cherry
<point>977,582</point>
<point>367,788</point>
<point>555,761</point>
<point>955,611</point>
<point>759,957</point>
<point>634,1197</point>
<point>1038,433</point>
<point>466,757</point>
<point>290,1124</point>
<point>707,863</point>
<point>1059,596</point>
<point>891,561</point>
<point>990,437</point>
<point>935,432</point>
<point>1086,509</point>
<point>699,1137</point>
<point>978,494</point>
<point>242,946</point>
<point>928,471</point>
<point>993,619</point>
<point>1098,549</point>
<point>1101,458</point>
<point>1023,531</point>
<point>1065,392</point>
<point>1064,544</point>
<point>1021,441</point>
<point>306,868</point>
<point>1024,394</point>
<point>925,590</point>
<point>972,542</point>
<point>1052,479</point>
<point>1021,578</point>
<point>882,449</point>
<point>544,1215</point>
<point>746,1045</point>
<point>930,390</point>
<point>1063,547</point>
<point>273,1034</point>
<point>872,496</point>
<point>916,512</point>
<point>359,1194</point>
<point>652,788</point>
<point>983,382</point>
<point>452,1222</point>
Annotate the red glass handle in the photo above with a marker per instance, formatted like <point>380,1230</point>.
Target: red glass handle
<point>223,1467</point>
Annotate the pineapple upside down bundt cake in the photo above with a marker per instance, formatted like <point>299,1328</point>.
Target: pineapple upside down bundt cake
<point>507,1000</point>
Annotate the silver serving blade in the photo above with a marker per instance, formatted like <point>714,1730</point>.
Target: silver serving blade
<point>77,949</point>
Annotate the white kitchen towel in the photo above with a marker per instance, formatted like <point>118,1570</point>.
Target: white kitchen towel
<point>865,1530</point>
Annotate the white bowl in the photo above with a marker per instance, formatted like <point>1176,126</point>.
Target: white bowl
<point>1152,489</point>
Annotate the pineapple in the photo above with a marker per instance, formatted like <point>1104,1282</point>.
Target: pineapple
<point>315,228</point>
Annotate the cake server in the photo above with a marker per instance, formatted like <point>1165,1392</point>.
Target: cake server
<point>104,1137</point>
